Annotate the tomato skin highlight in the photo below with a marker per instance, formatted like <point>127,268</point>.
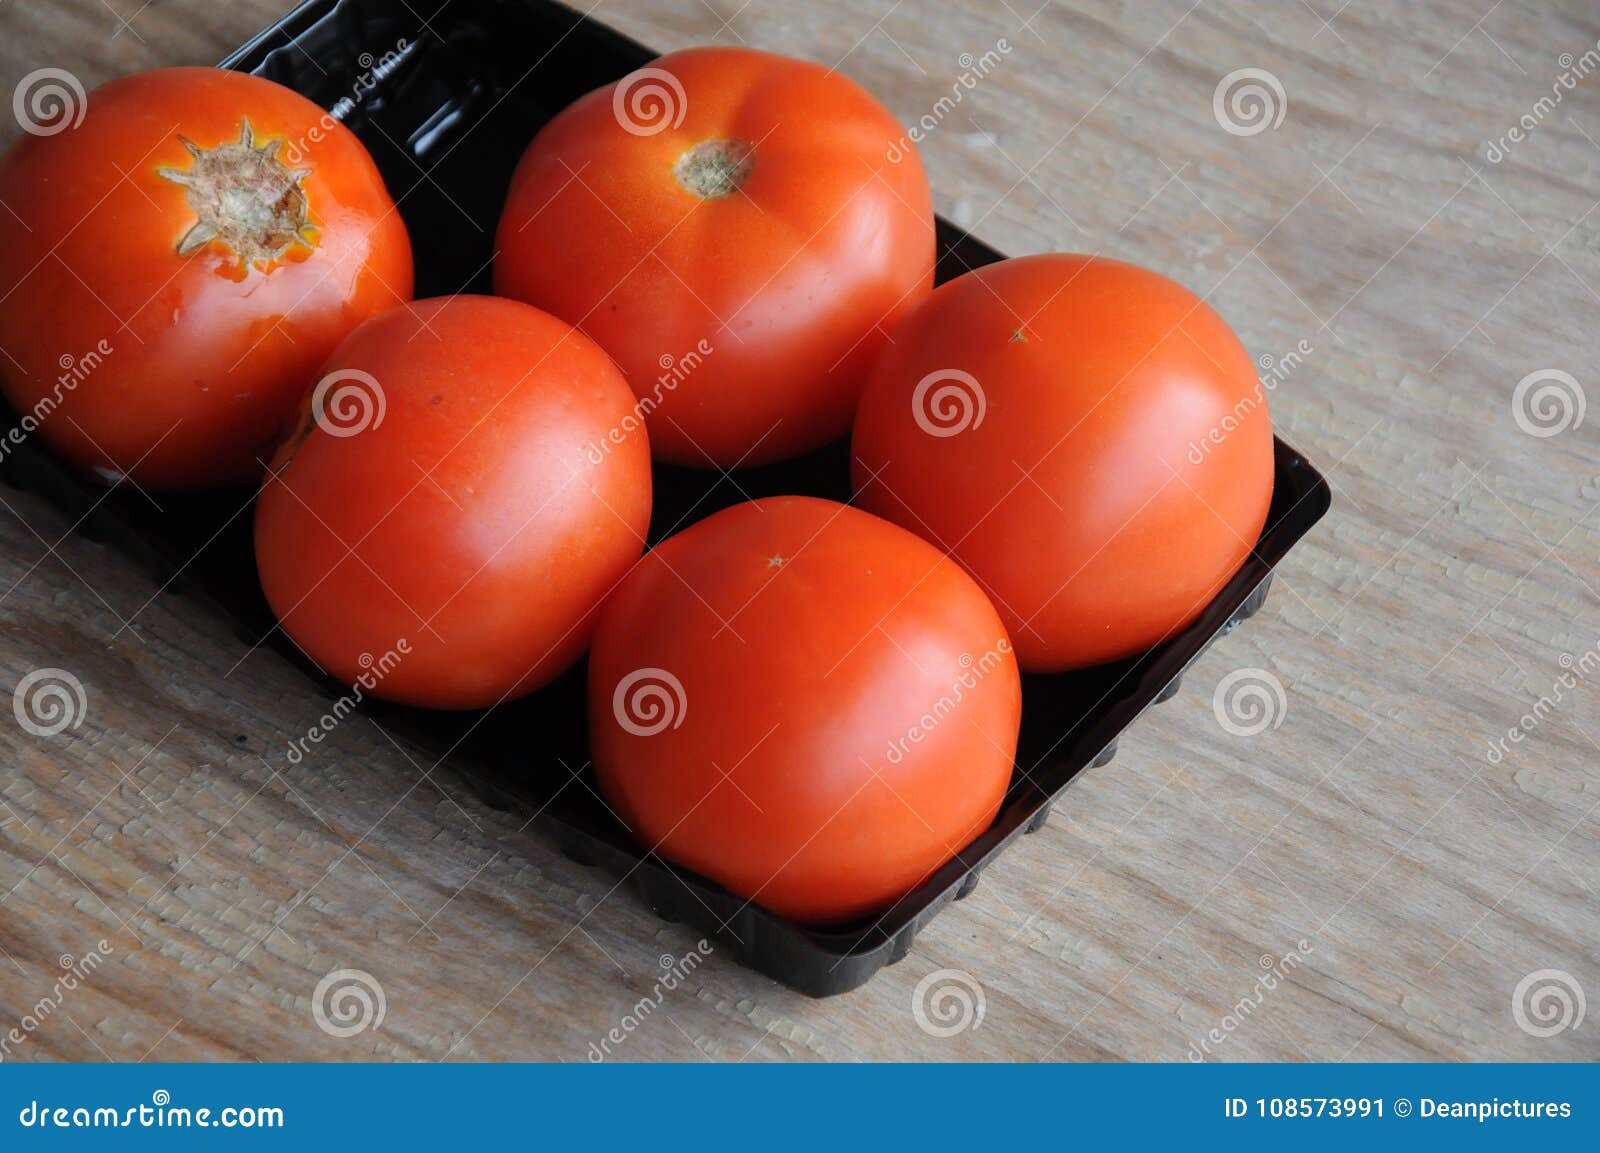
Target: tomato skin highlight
<point>198,361</point>
<point>804,703</point>
<point>489,506</point>
<point>792,280</point>
<point>1114,461</point>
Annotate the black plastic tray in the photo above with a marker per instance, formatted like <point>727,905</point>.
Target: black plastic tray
<point>446,109</point>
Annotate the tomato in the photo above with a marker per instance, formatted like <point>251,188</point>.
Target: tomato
<point>1088,438</point>
<point>174,268</point>
<point>461,494</point>
<point>739,231</point>
<point>805,703</point>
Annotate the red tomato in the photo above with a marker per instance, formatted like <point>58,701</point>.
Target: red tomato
<point>174,268</point>
<point>729,225</point>
<point>1088,438</point>
<point>805,703</point>
<point>460,496</point>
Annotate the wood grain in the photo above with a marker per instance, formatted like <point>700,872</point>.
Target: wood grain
<point>1448,590</point>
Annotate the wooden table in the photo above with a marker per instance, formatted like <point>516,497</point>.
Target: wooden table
<point>1415,878</point>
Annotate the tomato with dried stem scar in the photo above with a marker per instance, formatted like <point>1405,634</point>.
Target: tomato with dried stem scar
<point>181,250</point>
<point>738,230</point>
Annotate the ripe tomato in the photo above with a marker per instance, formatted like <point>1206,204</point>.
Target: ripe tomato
<point>457,499</point>
<point>1088,438</point>
<point>805,703</point>
<point>174,268</point>
<point>729,226</point>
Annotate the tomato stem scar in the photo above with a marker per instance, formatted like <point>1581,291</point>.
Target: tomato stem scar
<point>244,197</point>
<point>713,169</point>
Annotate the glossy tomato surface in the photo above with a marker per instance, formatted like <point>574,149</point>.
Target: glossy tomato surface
<point>1088,438</point>
<point>463,491</point>
<point>176,264</point>
<point>738,230</point>
<point>805,703</point>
